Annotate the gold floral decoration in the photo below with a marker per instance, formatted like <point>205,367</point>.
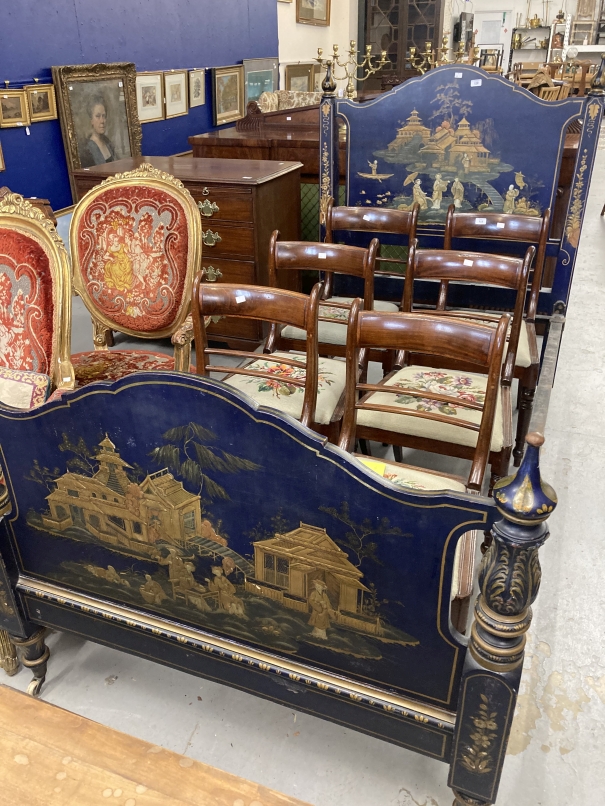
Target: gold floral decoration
<point>478,757</point>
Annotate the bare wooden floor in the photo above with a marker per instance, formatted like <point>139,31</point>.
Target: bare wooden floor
<point>51,757</point>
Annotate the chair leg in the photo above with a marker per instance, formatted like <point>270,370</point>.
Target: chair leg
<point>603,210</point>
<point>526,405</point>
<point>398,453</point>
<point>364,447</point>
<point>459,610</point>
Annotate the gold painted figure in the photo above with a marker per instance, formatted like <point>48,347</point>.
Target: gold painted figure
<point>227,600</point>
<point>152,592</point>
<point>509,203</point>
<point>439,186</point>
<point>419,195</point>
<point>457,192</point>
<point>321,610</point>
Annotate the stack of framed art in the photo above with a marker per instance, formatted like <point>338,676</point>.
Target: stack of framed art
<point>170,93</point>
<point>30,104</point>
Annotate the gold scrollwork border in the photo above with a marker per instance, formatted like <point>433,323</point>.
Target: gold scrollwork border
<point>68,74</point>
<point>16,213</point>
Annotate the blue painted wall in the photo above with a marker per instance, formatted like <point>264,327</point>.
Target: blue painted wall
<point>154,34</point>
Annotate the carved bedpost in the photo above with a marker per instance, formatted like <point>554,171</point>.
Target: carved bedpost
<point>587,151</point>
<point>328,148</point>
<point>509,580</point>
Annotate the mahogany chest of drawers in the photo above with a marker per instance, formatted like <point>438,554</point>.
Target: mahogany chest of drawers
<point>241,202</point>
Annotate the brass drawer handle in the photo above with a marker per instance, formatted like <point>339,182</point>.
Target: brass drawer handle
<point>208,208</point>
<point>211,274</point>
<point>205,192</point>
<point>210,238</point>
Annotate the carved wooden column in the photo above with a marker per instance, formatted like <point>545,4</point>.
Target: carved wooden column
<point>8,654</point>
<point>509,581</point>
<point>328,148</point>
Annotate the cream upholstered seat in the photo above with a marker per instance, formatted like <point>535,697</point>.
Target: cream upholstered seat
<point>334,332</point>
<point>465,386</point>
<point>279,394</point>
<point>412,478</point>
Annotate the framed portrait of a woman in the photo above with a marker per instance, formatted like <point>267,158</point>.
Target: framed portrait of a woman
<point>98,113</point>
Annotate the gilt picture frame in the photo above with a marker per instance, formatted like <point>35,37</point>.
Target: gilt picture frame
<point>313,12</point>
<point>150,96</point>
<point>98,113</point>
<point>2,163</point>
<point>197,87</point>
<point>13,109</point>
<point>228,93</point>
<point>41,102</point>
<point>260,75</point>
<point>175,93</point>
<point>300,77</point>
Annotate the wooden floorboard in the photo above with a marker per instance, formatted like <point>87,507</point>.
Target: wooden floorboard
<point>51,757</point>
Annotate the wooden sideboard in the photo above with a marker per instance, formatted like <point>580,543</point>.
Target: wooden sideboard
<point>241,203</point>
<point>272,143</point>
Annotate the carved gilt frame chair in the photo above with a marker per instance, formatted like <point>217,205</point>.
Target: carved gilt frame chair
<point>135,247</point>
<point>35,296</point>
<point>504,228</point>
<point>274,381</point>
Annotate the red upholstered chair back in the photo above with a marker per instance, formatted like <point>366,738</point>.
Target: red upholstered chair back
<point>136,246</point>
<point>35,293</point>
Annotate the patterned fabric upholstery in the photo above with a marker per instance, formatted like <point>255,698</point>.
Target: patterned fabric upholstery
<point>410,477</point>
<point>466,386</point>
<point>279,394</point>
<point>26,303</point>
<point>287,99</point>
<point>132,245</point>
<point>110,365</point>
<point>334,332</point>
<point>22,389</point>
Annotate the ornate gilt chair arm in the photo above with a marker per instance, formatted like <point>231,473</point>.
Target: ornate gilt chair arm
<point>181,340</point>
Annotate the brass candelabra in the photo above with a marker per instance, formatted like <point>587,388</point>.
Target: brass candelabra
<point>351,66</point>
<point>430,58</point>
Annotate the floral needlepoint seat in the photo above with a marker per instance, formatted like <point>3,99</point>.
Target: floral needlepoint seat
<point>135,246</point>
<point>35,305</point>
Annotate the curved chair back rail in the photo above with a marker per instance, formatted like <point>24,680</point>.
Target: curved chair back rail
<point>472,267</point>
<point>372,220</point>
<point>37,315</point>
<point>274,305</point>
<point>504,227</point>
<point>428,334</point>
<point>327,258</point>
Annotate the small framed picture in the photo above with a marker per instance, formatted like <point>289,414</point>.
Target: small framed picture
<point>41,102</point>
<point>228,94</point>
<point>150,97</point>
<point>260,75</point>
<point>2,165</point>
<point>300,77</point>
<point>197,87</point>
<point>313,12</point>
<point>175,93</point>
<point>13,108</point>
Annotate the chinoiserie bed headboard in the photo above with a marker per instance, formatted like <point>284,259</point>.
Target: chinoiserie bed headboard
<point>177,496</point>
<point>458,135</point>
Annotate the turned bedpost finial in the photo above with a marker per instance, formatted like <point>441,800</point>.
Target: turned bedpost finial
<point>510,573</point>
<point>328,85</point>
<point>597,85</point>
<point>509,580</point>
